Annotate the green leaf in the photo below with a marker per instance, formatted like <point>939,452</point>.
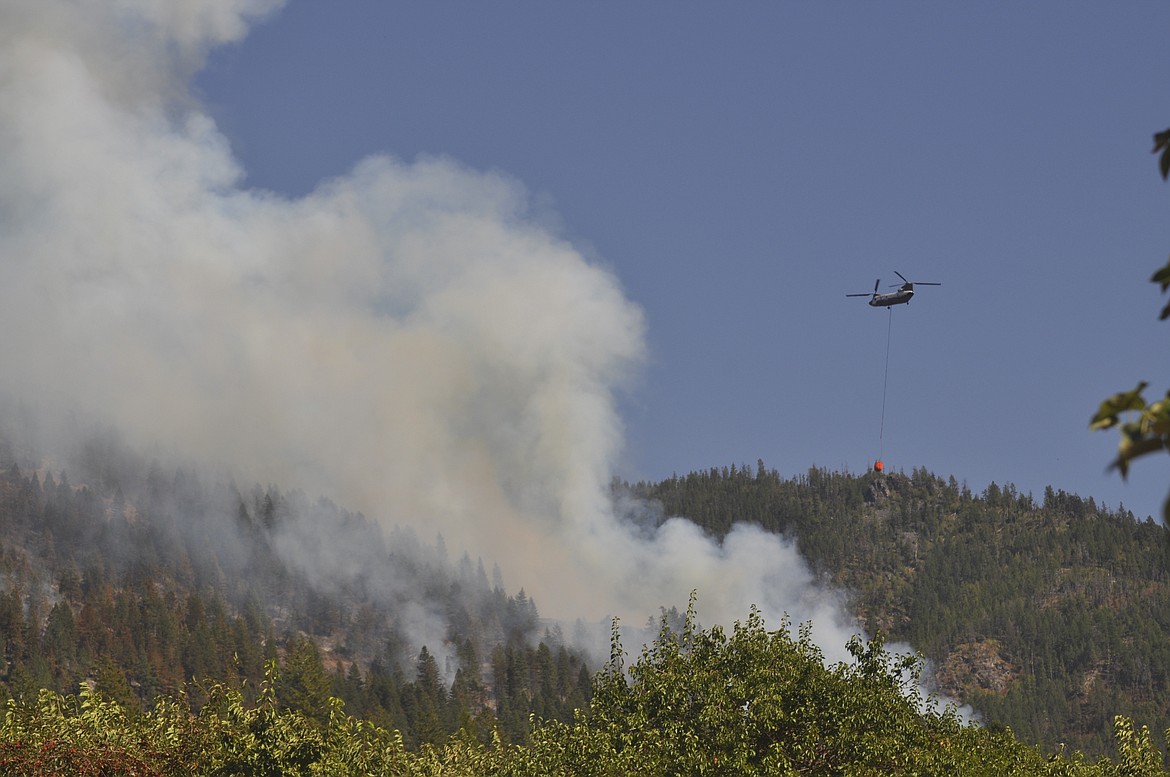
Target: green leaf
<point>1162,143</point>
<point>1141,437</point>
<point>1111,408</point>
<point>1133,448</point>
<point>1162,276</point>
<point>1157,418</point>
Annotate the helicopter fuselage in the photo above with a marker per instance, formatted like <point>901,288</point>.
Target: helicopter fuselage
<point>899,297</point>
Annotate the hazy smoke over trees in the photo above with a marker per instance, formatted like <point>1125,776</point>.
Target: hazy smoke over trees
<point>409,339</point>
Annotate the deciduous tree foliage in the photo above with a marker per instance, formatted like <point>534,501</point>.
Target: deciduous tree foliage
<point>699,702</point>
<point>1146,426</point>
<point>764,702</point>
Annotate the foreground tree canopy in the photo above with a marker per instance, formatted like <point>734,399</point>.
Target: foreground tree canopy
<point>696,702</point>
<point>1144,426</point>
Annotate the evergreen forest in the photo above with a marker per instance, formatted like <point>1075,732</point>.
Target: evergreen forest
<point>141,604</point>
<point>138,582</point>
<point>1046,615</point>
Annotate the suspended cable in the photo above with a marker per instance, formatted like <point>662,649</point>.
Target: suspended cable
<point>885,383</point>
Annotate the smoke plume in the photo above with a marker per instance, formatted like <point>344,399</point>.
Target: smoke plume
<point>409,339</point>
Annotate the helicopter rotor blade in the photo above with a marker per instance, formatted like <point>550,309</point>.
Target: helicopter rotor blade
<point>873,293</point>
<point>913,283</point>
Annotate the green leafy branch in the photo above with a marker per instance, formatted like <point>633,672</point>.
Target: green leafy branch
<point>1148,433</point>
<point>1162,143</point>
<point>1144,427</point>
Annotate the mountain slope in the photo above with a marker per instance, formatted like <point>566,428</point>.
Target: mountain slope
<point>1050,617</point>
<point>139,582</point>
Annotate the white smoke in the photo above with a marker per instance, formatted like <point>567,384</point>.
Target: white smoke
<point>408,339</point>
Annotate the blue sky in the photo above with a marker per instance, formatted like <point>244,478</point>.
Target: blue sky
<point>741,167</point>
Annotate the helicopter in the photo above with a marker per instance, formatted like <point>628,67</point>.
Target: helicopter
<point>899,297</point>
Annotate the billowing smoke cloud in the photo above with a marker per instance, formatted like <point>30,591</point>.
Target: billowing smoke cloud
<point>409,339</point>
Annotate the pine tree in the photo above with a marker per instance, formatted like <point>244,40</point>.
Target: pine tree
<point>304,685</point>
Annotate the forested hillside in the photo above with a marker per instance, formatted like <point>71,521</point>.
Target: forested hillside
<point>748,702</point>
<point>1049,616</point>
<point>140,581</point>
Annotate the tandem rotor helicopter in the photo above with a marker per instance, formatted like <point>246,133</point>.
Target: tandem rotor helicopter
<point>899,297</point>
